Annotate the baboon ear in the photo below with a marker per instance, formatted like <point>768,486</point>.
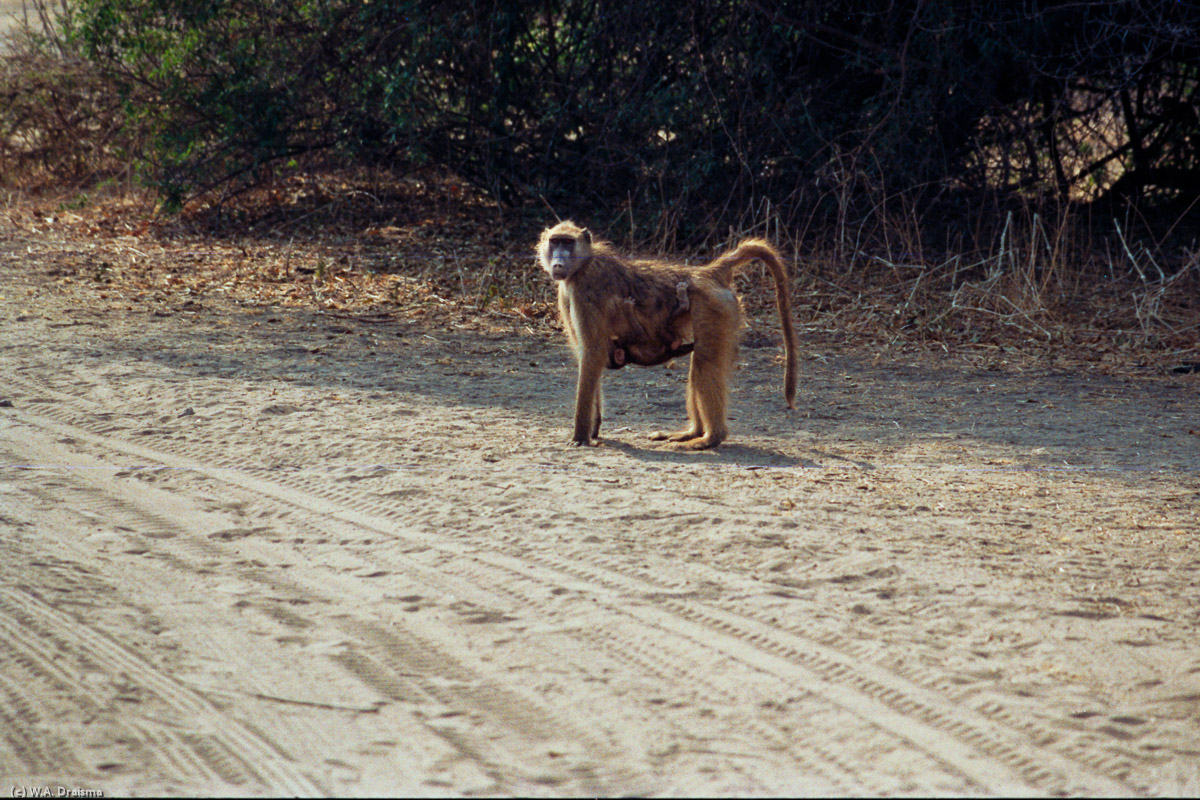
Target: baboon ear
<point>586,235</point>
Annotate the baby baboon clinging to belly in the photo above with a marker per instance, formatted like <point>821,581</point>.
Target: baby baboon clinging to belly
<point>648,348</point>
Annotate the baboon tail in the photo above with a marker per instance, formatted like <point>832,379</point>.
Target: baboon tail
<point>723,270</point>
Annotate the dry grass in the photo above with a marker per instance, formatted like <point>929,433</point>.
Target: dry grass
<point>885,269</point>
<point>61,123</point>
<point>430,248</point>
<point>1044,286</point>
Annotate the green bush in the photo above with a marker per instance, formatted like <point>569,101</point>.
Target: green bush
<point>683,116</point>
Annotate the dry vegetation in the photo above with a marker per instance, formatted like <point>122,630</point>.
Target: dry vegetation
<point>1056,278</point>
<point>430,248</point>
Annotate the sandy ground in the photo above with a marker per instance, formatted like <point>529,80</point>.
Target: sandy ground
<point>268,551</point>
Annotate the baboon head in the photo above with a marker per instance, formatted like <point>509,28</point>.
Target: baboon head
<point>563,249</point>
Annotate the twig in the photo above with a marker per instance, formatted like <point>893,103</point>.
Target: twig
<point>372,709</point>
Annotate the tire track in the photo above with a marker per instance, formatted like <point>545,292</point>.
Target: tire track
<point>221,741</point>
<point>524,733</point>
<point>954,736</point>
<point>463,588</point>
<point>393,672</point>
<point>967,742</point>
<point>872,695</point>
<point>44,651</point>
<point>465,578</point>
<point>1042,766</point>
<point>481,575</point>
<point>21,711</point>
<point>513,720</point>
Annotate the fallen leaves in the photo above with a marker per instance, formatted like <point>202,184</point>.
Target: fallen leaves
<point>429,249</point>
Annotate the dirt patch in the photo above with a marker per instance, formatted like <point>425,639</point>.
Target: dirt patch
<point>336,549</point>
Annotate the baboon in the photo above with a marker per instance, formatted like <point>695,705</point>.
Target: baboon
<point>594,284</point>
<point>667,344</point>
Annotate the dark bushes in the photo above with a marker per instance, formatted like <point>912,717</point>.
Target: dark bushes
<point>684,117</point>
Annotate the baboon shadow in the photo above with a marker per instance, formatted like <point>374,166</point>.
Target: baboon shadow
<point>731,455</point>
<point>864,465</point>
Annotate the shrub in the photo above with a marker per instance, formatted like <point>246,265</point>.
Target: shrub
<point>683,117</point>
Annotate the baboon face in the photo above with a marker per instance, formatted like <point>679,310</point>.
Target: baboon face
<point>562,252</point>
<point>565,248</point>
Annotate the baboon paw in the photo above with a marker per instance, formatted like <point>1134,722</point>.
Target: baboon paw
<point>582,443</point>
<point>677,436</point>
<point>693,445</point>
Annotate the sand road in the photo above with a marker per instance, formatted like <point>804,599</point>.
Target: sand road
<point>267,551</point>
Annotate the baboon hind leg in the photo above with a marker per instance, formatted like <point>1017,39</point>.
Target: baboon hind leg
<point>694,429</point>
<point>708,386</point>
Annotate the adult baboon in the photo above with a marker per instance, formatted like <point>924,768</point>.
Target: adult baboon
<point>594,284</point>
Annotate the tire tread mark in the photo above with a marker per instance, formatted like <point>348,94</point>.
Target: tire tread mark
<point>968,764</point>
<point>395,686</point>
<point>306,495</point>
<point>814,676</point>
<point>517,714</point>
<point>173,750</point>
<point>942,714</point>
<point>663,663</point>
<point>17,715</point>
<point>273,767</point>
<point>45,664</point>
<point>129,507</point>
<point>533,605</point>
<point>839,779</point>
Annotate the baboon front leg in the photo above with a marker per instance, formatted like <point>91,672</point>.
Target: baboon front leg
<point>587,397</point>
<point>598,414</point>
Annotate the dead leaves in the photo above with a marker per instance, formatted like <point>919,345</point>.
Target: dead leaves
<point>429,250</point>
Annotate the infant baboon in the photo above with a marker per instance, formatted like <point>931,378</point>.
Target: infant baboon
<point>594,287</point>
<point>644,347</point>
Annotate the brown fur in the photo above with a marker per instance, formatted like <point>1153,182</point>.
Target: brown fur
<point>650,348</point>
<point>594,284</point>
